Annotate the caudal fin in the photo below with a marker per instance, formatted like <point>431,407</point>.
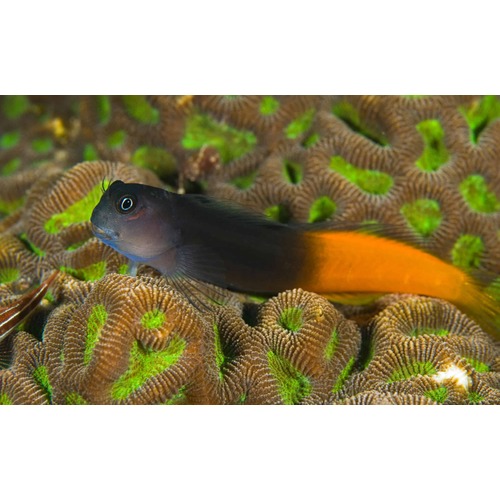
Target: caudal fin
<point>481,305</point>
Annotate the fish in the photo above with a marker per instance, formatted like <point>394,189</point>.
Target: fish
<point>201,239</point>
<point>12,315</point>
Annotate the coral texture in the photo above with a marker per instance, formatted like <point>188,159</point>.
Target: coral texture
<point>425,167</point>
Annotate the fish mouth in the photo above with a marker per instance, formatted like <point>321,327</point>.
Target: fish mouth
<point>104,234</point>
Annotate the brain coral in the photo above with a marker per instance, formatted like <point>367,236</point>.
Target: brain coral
<point>426,167</point>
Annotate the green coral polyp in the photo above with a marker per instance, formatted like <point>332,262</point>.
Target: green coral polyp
<point>412,370</point>
<point>331,347</point>
<point>5,400</point>
<point>103,109</point>
<point>73,398</point>
<point>42,145</point>
<point>479,366</point>
<point>10,139</point>
<point>11,206</point>
<point>467,252</point>
<point>293,386</point>
<point>322,209</point>
<point>440,395</point>
<point>222,358</point>
<point>76,213</point>
<point>139,108</point>
<point>293,171</point>
<point>155,159</point>
<point>370,181</point>
<point>11,166</point>
<point>423,216</point>
<point>153,319</point>
<point>9,274</point>
<point>97,319</point>
<point>244,181</point>
<point>478,195</point>
<point>231,143</point>
<point>474,398</point>
<point>350,116</point>
<point>480,114</point>
<point>268,106</point>
<point>41,377</point>
<point>300,125</point>
<point>93,272</point>
<point>14,106</point>
<point>439,332</point>
<point>31,246</point>
<point>279,213</point>
<point>435,154</point>
<point>339,383</point>
<point>117,139</point>
<point>291,319</point>
<point>145,364</point>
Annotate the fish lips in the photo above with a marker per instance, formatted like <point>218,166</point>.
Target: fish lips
<point>105,234</point>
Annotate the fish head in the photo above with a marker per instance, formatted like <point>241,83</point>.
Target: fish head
<point>135,220</point>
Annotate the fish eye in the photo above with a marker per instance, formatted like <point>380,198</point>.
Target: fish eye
<point>126,203</point>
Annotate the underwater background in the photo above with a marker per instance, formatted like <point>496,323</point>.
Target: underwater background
<point>427,164</point>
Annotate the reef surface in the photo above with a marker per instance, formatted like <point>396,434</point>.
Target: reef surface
<point>427,165</point>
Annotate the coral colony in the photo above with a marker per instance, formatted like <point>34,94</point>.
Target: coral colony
<point>98,331</point>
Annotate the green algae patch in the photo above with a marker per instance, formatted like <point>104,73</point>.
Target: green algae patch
<point>76,213</point>
<point>144,364</point>
<point>322,209</point>
<point>478,195</point>
<point>15,106</point>
<point>11,166</point>
<point>9,274</point>
<point>231,143</point>
<point>42,145</point>
<point>103,109</point>
<point>73,398</point>
<point>435,154</point>
<point>479,366</point>
<point>346,112</point>
<point>139,108</point>
<point>153,319</point>
<point>339,383</point>
<point>293,386</point>
<point>439,332</point>
<point>268,105</point>
<point>279,213</point>
<point>467,252</point>
<point>41,377</point>
<point>156,159</point>
<point>440,395</point>
<point>480,114</point>
<point>93,272</point>
<point>244,181</point>
<point>5,400</point>
<point>291,319</point>
<point>300,125</point>
<point>412,370</point>
<point>116,139</point>
<point>423,216</point>
<point>95,324</point>
<point>331,347</point>
<point>293,171</point>
<point>370,181</point>
<point>10,139</point>
<point>474,398</point>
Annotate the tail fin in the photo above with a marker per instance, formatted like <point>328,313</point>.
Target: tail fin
<point>480,303</point>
